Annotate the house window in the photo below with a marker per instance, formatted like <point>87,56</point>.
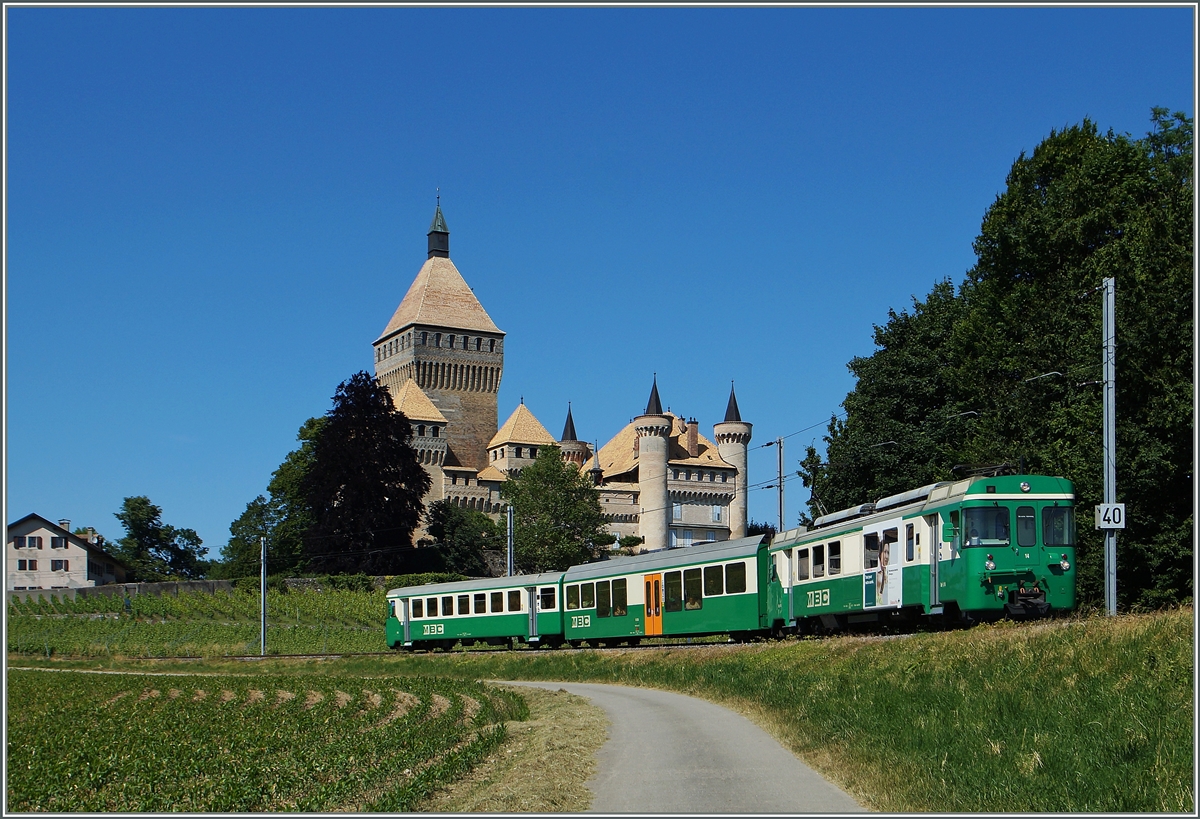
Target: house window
<point>60,566</point>
<point>676,511</point>
<point>58,543</point>
<point>687,537</point>
<point>18,543</point>
<point>716,513</point>
<point>33,565</point>
<point>674,539</point>
<point>22,565</point>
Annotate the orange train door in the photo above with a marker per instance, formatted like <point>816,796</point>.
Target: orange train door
<point>654,604</point>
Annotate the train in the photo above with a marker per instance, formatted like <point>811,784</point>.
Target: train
<point>952,552</point>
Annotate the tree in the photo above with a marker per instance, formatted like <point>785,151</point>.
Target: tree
<point>154,551</point>
<point>364,485</point>
<point>282,519</point>
<point>556,514</point>
<point>461,535</point>
<point>1006,370</point>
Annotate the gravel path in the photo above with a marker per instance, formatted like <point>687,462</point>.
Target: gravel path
<point>670,753</point>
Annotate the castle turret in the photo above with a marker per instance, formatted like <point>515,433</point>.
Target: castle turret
<point>573,450</point>
<point>733,436</point>
<point>653,431</point>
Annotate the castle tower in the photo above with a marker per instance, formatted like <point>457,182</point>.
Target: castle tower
<point>573,450</point>
<point>732,436</point>
<point>653,431</point>
<point>441,337</point>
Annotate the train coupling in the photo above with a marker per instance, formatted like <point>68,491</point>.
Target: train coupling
<point>1027,603</point>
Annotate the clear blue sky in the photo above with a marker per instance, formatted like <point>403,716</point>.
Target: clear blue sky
<point>213,212</point>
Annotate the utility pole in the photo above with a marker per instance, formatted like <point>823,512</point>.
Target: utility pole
<point>512,569</point>
<point>262,541</point>
<point>1110,440</point>
<point>779,445</point>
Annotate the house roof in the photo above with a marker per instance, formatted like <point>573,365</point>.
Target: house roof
<point>491,473</point>
<point>522,428</point>
<point>618,457</point>
<point>415,404</point>
<point>39,522</point>
<point>440,297</point>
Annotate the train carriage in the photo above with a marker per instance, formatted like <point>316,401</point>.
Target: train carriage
<point>979,548</point>
<point>709,588</point>
<point>493,610</point>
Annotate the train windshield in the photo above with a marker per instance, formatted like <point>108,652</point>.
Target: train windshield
<point>987,526</point>
<point>1058,526</point>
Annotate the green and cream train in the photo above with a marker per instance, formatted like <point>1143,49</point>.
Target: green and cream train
<point>974,549</point>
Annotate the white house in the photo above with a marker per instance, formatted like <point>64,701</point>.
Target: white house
<point>44,555</point>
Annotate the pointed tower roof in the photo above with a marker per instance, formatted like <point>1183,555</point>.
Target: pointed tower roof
<point>438,225</point>
<point>439,234</point>
<point>569,429</point>
<point>415,404</point>
<point>440,297</point>
<point>654,405</point>
<point>522,428</point>
<point>731,411</point>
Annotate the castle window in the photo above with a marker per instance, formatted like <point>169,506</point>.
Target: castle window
<point>676,474</point>
<point>533,452</point>
<point>421,430</point>
<point>518,452</point>
<point>451,344</point>
<point>724,477</point>
<point>424,339</point>
<point>716,513</point>
<point>437,339</point>
<point>454,480</point>
<point>491,345</point>
<point>676,511</point>
<point>711,478</point>
<point>433,431</point>
<point>478,343</point>
<point>465,342</point>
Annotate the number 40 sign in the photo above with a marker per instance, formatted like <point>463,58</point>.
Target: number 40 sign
<point>1110,516</point>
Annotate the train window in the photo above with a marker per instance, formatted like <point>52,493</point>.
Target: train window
<point>735,578</point>
<point>835,557</point>
<point>464,604</point>
<point>714,581</point>
<point>870,550</point>
<point>447,606</point>
<point>572,597</point>
<point>908,543</point>
<point>416,607</point>
<point>986,526</point>
<point>620,606</point>
<point>547,601</point>
<point>587,596</point>
<point>818,562</point>
<point>514,600</point>
<point>673,591</point>
<point>692,596</point>
<point>481,604</point>
<point>1058,526</point>
<point>603,599</point>
<point>1026,526</point>
<point>497,602</point>
<point>802,564</point>
<point>432,606</point>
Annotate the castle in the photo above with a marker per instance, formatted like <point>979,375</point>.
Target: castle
<point>442,357</point>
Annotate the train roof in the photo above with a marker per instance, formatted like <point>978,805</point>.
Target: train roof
<point>482,584</point>
<point>667,558</point>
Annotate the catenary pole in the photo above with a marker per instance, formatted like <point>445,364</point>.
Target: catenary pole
<point>263,607</point>
<point>511,562</point>
<point>1110,439</point>
<point>779,444</point>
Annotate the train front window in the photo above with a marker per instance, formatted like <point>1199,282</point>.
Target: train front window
<point>1026,526</point>
<point>986,526</point>
<point>1058,526</point>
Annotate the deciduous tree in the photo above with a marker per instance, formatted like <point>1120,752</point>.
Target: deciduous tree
<point>153,550</point>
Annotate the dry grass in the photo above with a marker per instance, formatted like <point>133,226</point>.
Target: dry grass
<point>542,766</point>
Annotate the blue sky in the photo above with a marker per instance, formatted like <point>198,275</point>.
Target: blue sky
<point>213,212</point>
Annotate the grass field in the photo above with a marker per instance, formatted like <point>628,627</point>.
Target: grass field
<point>238,743</point>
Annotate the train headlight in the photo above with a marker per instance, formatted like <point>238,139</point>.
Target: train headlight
<point>1064,563</point>
<point>990,564</point>
<point>1024,486</point>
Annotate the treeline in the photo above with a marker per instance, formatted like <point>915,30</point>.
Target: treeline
<point>1006,367</point>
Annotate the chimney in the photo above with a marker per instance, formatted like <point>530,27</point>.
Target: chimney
<point>693,438</point>
<point>65,523</point>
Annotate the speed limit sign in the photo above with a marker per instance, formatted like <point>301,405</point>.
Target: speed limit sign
<point>1110,516</point>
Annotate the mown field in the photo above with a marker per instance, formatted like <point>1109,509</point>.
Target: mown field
<point>229,743</point>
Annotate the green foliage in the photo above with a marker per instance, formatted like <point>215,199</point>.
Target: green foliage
<point>364,487</point>
<point>954,381</point>
<point>461,535</point>
<point>756,528</point>
<point>630,541</point>
<point>556,513</point>
<point>153,550</point>
<point>282,519</point>
<point>264,743</point>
